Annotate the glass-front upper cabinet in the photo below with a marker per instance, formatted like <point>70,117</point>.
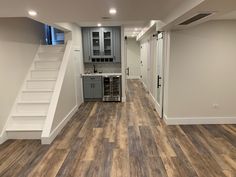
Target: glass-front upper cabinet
<point>107,43</point>
<point>96,43</point>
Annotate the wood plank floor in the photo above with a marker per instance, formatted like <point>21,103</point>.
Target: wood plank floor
<point>124,140</point>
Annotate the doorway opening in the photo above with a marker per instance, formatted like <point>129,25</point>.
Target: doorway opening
<point>53,36</point>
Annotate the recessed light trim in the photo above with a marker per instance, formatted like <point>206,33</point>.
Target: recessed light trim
<point>99,24</point>
<point>32,13</point>
<point>112,11</point>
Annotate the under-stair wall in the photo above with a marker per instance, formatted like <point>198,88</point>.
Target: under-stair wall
<point>66,103</point>
<point>17,51</point>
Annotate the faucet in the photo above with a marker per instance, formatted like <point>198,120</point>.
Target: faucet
<point>94,69</point>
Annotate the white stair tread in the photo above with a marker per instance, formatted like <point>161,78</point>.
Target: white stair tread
<point>34,102</point>
<point>31,114</point>
<point>25,127</point>
<point>51,51</point>
<point>37,90</point>
<point>48,60</point>
<point>39,79</point>
<point>45,70</point>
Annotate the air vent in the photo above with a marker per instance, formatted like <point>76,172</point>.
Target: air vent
<point>106,18</point>
<point>195,18</point>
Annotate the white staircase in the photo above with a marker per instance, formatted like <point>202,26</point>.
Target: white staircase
<point>31,107</point>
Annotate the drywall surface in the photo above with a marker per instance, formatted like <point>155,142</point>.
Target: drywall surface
<point>19,41</point>
<point>67,98</point>
<point>133,58</point>
<point>202,72</point>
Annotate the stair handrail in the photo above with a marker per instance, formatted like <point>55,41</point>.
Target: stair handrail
<point>56,93</point>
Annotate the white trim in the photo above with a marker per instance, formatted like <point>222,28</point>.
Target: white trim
<point>123,99</point>
<point>198,120</point>
<point>56,131</point>
<point>133,77</point>
<point>19,135</point>
<point>157,107</point>
<point>3,137</point>
<point>145,87</point>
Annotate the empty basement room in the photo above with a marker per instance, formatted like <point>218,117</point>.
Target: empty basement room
<point>118,88</point>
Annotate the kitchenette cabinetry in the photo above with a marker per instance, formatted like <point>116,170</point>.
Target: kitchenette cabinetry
<point>92,87</point>
<point>102,87</point>
<point>101,44</point>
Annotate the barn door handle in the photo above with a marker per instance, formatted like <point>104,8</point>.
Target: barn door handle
<point>127,70</point>
<point>158,81</point>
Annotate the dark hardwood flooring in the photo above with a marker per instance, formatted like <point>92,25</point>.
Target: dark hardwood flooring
<point>124,140</point>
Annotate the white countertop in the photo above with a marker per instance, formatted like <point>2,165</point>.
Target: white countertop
<point>102,74</point>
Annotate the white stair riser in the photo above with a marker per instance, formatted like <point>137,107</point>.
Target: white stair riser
<point>36,96</point>
<point>32,107</point>
<point>50,55</point>
<point>28,120</point>
<point>47,64</point>
<point>40,85</point>
<point>24,134</point>
<point>44,74</point>
<point>52,48</point>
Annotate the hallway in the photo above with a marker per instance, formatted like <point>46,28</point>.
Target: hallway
<point>124,140</point>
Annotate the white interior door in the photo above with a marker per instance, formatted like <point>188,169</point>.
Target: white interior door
<point>78,72</point>
<point>142,49</point>
<point>159,97</point>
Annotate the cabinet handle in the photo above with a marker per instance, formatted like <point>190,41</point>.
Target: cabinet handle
<point>89,58</point>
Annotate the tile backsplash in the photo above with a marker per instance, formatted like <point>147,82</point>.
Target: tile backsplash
<point>104,67</point>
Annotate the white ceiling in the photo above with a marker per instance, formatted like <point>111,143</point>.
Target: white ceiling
<point>84,12</point>
<point>229,16</point>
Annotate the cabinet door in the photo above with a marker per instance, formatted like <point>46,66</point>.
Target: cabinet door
<point>107,49</point>
<point>116,33</point>
<point>86,45</point>
<point>97,89</point>
<point>96,42</point>
<point>88,90</point>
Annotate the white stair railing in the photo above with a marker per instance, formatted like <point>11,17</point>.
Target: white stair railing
<point>45,138</point>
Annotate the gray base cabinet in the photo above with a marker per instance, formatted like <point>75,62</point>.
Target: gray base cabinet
<point>92,87</point>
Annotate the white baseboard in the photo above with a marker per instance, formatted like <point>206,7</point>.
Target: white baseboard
<point>133,77</point>
<point>123,99</point>
<point>3,137</point>
<point>198,120</point>
<point>56,131</point>
<point>26,135</point>
<point>145,87</point>
<point>153,100</point>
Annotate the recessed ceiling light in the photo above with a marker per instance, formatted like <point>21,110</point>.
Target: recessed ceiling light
<point>112,11</point>
<point>99,24</point>
<point>32,13</point>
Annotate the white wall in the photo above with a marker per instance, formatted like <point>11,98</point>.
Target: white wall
<point>74,33</point>
<point>19,41</point>
<point>67,98</point>
<point>71,92</point>
<point>202,71</point>
<point>133,58</point>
